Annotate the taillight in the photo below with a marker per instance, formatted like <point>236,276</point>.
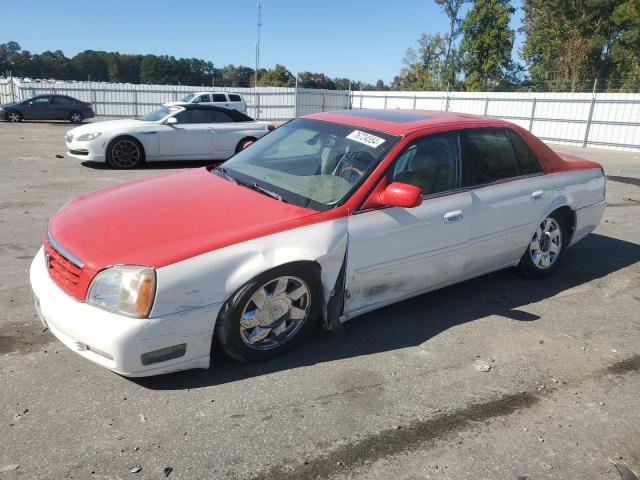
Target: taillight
<point>271,128</point>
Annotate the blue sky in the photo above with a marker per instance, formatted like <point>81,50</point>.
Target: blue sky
<point>358,39</point>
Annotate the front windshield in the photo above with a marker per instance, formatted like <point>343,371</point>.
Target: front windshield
<point>311,163</point>
<point>188,97</point>
<point>159,114</point>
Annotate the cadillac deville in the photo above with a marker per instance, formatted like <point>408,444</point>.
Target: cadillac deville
<point>327,218</point>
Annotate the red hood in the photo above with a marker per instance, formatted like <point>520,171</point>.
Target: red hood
<point>162,220</point>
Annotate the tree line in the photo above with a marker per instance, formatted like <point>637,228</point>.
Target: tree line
<point>569,45</point>
<point>98,66</point>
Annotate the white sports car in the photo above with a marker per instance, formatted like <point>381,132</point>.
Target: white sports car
<point>329,217</point>
<point>184,132</point>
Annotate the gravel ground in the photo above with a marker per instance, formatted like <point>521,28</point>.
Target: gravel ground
<point>396,396</point>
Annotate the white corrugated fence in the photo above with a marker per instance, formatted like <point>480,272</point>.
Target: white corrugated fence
<point>604,120</point>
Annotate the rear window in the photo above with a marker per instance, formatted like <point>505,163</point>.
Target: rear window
<point>219,97</point>
<point>63,100</point>
<point>235,98</point>
<point>525,160</point>
<point>489,156</point>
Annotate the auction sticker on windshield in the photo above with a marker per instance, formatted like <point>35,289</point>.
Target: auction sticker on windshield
<point>365,138</point>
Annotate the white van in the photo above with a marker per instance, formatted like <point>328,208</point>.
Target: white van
<point>220,99</point>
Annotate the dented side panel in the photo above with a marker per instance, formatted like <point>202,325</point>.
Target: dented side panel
<point>214,276</point>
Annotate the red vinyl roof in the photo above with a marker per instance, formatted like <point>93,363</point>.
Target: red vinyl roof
<point>403,122</point>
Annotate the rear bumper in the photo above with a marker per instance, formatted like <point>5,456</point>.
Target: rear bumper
<point>587,219</point>
<point>117,342</point>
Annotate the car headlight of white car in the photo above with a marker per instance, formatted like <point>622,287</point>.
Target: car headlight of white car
<point>125,289</point>
<point>85,137</point>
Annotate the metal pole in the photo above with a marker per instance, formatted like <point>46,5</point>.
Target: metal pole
<point>258,43</point>
<point>323,102</point>
<point>446,104</point>
<point>415,99</point>
<point>13,92</point>
<point>295,100</point>
<point>135,102</point>
<point>361,95</point>
<point>486,106</point>
<point>385,101</point>
<point>590,118</point>
<point>533,114</point>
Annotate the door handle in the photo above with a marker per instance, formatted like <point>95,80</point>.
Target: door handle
<point>453,216</point>
<point>537,195</point>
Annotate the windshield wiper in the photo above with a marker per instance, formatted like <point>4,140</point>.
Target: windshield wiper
<point>253,186</point>
<point>223,173</point>
<point>264,191</point>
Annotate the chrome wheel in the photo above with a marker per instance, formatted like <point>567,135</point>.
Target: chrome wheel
<point>14,117</point>
<point>546,244</point>
<point>76,117</point>
<point>125,154</point>
<point>275,313</point>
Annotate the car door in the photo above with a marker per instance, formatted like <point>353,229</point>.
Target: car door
<point>509,196</point>
<point>236,102</point>
<point>204,98</point>
<point>192,137</point>
<point>60,107</point>
<point>229,133</point>
<point>394,252</point>
<point>220,99</point>
<point>37,108</point>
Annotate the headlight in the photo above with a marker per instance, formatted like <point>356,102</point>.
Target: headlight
<point>85,137</point>
<point>128,290</point>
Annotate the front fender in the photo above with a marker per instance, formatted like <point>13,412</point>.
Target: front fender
<point>213,277</point>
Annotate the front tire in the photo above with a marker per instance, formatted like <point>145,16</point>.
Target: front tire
<point>14,117</point>
<point>124,153</point>
<point>270,314</point>
<point>543,252</point>
<point>76,117</point>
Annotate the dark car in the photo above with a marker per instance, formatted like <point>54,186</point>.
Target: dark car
<point>47,107</point>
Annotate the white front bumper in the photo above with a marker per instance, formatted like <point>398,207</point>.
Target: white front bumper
<point>117,342</point>
<point>91,151</point>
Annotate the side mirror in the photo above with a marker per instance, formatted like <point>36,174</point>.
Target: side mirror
<point>246,144</point>
<point>30,103</point>
<point>401,195</point>
<point>171,121</point>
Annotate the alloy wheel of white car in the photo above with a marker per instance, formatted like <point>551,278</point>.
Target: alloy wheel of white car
<point>543,252</point>
<point>125,153</point>
<point>275,312</point>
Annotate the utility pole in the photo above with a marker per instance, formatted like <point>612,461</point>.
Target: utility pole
<point>258,43</point>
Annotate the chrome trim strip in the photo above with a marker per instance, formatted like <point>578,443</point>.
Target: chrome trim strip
<point>64,252</point>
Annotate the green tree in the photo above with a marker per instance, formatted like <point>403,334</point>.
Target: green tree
<point>486,45</point>
<point>451,9</point>
<point>426,69</point>
<point>569,43</point>
<point>278,76</point>
<point>626,49</point>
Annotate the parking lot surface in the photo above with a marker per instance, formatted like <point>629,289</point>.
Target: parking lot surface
<point>396,396</point>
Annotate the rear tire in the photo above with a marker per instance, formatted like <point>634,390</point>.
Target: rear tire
<point>125,153</point>
<point>547,244</point>
<point>14,117</point>
<point>243,141</point>
<point>76,117</point>
<point>270,314</point>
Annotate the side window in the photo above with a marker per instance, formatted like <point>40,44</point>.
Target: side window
<point>219,97</point>
<point>234,98</point>
<point>431,163</point>
<point>40,101</point>
<point>63,100</point>
<point>195,116</point>
<point>489,156</point>
<point>221,117</point>
<point>202,99</point>
<point>526,161</point>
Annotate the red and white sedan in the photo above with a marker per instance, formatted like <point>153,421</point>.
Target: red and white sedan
<point>329,217</point>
